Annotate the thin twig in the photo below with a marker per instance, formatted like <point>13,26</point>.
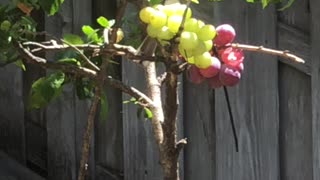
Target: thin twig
<point>231,119</point>
<point>285,54</point>
<point>84,57</point>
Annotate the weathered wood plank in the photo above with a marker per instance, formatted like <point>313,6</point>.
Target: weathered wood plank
<point>254,101</point>
<point>10,169</point>
<point>315,85</point>
<point>12,129</point>
<point>199,128</point>
<point>61,123</point>
<point>297,15</point>
<point>296,42</point>
<point>109,131</point>
<point>295,124</point>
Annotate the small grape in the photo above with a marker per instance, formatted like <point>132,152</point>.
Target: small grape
<point>203,61</point>
<point>190,60</point>
<point>194,75</point>
<point>201,48</point>
<point>229,76</point>
<point>207,32</point>
<point>5,25</point>
<point>213,69</point>
<point>185,53</point>
<point>153,31</point>
<point>145,14</point>
<point>188,40</point>
<point>208,44</point>
<point>169,10</point>
<point>180,11</point>
<point>174,23</point>
<point>232,56</point>
<point>165,33</point>
<point>159,7</point>
<point>158,19</point>
<point>214,82</point>
<point>225,35</point>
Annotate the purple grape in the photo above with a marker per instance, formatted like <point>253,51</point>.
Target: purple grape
<point>225,35</point>
<point>194,75</point>
<point>213,69</point>
<point>229,76</point>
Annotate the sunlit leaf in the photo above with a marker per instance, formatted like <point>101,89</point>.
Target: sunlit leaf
<point>195,1</point>
<point>73,39</point>
<point>51,6</point>
<point>103,22</point>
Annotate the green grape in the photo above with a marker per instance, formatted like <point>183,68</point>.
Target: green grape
<point>207,32</point>
<point>153,31</point>
<point>159,7</point>
<point>180,11</point>
<point>158,19</point>
<point>208,44</point>
<point>188,40</point>
<point>165,34</point>
<point>203,61</point>
<point>201,48</point>
<point>169,10</point>
<point>185,53</point>
<point>190,60</point>
<point>5,25</point>
<point>146,13</point>
<point>191,25</point>
<point>174,23</point>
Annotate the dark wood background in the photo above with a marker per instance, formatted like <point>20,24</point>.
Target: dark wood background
<point>276,106</point>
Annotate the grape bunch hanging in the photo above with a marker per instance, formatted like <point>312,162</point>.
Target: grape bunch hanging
<point>206,48</point>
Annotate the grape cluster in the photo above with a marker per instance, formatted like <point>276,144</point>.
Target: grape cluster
<point>163,21</point>
<point>226,62</point>
<point>223,66</point>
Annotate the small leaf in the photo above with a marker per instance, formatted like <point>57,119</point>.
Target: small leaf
<point>91,34</point>
<point>73,39</point>
<point>154,2</point>
<point>148,112</point>
<point>103,22</point>
<point>72,61</point>
<point>104,106</point>
<point>46,89</point>
<point>195,1</point>
<point>264,3</point>
<point>250,1</point>
<point>51,6</point>
<point>24,8</point>
<point>20,64</point>
<point>87,30</point>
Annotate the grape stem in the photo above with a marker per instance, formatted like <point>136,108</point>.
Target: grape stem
<point>286,54</point>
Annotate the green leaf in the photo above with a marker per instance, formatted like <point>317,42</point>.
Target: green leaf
<point>51,6</point>
<point>154,2</point>
<point>103,22</point>
<point>264,3</point>
<point>195,1</point>
<point>84,88</point>
<point>72,61</point>
<point>290,2</point>
<point>250,1</point>
<point>88,30</point>
<point>148,112</point>
<point>46,89</point>
<point>104,106</point>
<point>73,39</point>
<point>20,64</point>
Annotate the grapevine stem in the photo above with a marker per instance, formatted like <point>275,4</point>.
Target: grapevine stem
<point>231,119</point>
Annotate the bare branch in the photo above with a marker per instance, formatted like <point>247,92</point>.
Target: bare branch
<point>261,49</point>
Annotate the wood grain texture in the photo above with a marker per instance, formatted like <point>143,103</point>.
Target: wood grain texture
<point>295,124</point>
<point>61,122</point>
<point>109,130</point>
<point>254,101</point>
<point>12,129</point>
<point>297,42</point>
<point>297,15</point>
<point>315,85</point>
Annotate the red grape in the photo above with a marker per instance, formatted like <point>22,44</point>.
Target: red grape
<point>225,35</point>
<point>214,82</point>
<point>229,76</point>
<point>213,69</point>
<point>232,56</point>
<point>194,75</point>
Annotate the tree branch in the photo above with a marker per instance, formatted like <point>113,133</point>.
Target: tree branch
<point>286,54</point>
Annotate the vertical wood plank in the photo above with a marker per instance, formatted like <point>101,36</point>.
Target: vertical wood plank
<point>254,101</point>
<point>61,123</point>
<point>295,124</point>
<point>315,85</point>
<point>109,131</point>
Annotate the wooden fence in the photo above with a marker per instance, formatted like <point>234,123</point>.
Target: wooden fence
<point>276,106</point>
